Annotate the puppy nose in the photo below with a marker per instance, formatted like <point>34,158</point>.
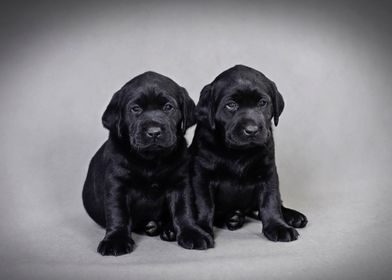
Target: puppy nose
<point>250,130</point>
<point>154,131</point>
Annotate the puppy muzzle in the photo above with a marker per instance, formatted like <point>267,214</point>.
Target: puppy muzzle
<point>153,136</point>
<point>246,134</point>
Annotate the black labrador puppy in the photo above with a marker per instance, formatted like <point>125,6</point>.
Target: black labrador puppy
<point>138,180</point>
<point>233,170</point>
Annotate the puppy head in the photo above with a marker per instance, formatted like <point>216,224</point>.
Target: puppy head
<point>150,112</point>
<point>240,103</point>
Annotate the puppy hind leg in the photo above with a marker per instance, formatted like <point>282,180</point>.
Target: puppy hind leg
<point>168,233</point>
<point>235,221</point>
<point>291,217</point>
<point>254,214</point>
<point>294,218</point>
<point>152,228</point>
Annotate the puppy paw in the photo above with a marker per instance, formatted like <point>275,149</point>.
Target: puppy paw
<point>280,233</point>
<point>195,238</point>
<point>294,218</point>
<point>168,235</point>
<point>116,247</point>
<point>254,214</point>
<point>208,229</point>
<point>152,228</point>
<point>236,221</point>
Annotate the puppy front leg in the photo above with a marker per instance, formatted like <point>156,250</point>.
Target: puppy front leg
<point>189,234</point>
<point>118,240</point>
<point>204,200</point>
<point>274,226</point>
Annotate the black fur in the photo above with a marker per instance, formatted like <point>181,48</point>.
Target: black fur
<point>233,159</point>
<point>138,180</point>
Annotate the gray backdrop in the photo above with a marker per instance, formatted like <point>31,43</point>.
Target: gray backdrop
<point>61,63</point>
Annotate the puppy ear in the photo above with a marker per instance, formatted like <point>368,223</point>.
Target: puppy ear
<point>278,103</point>
<point>188,111</point>
<point>205,110</point>
<point>111,118</point>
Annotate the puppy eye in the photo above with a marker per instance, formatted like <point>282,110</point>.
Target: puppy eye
<point>136,109</point>
<point>168,107</point>
<point>232,106</point>
<point>263,103</point>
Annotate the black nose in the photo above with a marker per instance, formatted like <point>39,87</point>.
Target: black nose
<point>250,130</point>
<point>154,131</point>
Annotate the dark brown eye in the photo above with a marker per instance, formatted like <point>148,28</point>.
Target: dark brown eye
<point>168,107</point>
<point>136,109</point>
<point>263,103</point>
<point>232,106</point>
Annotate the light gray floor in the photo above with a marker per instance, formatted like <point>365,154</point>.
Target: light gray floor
<point>60,64</point>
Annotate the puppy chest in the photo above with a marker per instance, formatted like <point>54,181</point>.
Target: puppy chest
<point>146,203</point>
<point>233,195</point>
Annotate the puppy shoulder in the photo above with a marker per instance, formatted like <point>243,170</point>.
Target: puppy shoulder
<point>114,154</point>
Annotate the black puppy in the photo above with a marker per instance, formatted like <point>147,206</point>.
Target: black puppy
<point>234,171</point>
<point>138,180</point>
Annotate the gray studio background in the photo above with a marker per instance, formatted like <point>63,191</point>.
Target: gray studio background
<point>60,63</point>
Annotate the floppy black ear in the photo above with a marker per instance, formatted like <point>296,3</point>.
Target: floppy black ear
<point>188,111</point>
<point>205,110</point>
<point>278,103</point>
<point>111,118</point>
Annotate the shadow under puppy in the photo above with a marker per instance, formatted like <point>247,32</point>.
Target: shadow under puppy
<point>138,180</point>
<point>234,172</point>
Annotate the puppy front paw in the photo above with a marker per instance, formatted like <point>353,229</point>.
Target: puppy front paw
<point>116,246</point>
<point>195,238</point>
<point>209,229</point>
<point>294,218</point>
<point>280,233</point>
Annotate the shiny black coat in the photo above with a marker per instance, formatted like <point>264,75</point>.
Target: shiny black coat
<point>233,157</point>
<point>138,180</point>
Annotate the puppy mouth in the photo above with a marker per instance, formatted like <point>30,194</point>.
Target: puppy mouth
<point>243,145</point>
<point>239,142</point>
<point>152,146</point>
<point>157,147</point>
